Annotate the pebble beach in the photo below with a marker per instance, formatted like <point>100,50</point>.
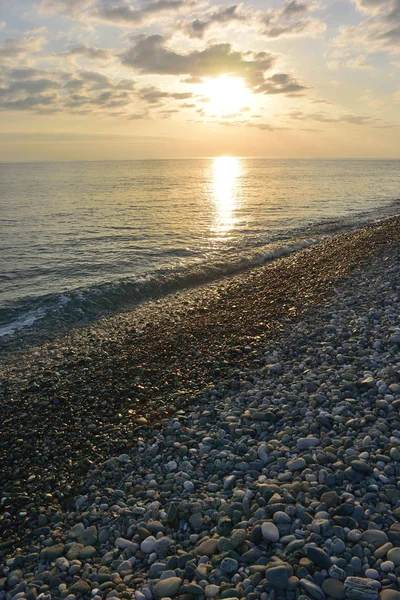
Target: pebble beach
<point>237,440</point>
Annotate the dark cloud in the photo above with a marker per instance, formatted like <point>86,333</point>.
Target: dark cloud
<point>152,55</point>
<point>125,14</point>
<point>281,83</point>
<point>198,27</point>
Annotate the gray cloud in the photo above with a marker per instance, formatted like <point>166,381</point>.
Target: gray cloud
<point>27,73</point>
<point>125,14</point>
<point>86,91</point>
<point>89,52</point>
<point>379,32</point>
<point>323,117</point>
<point>281,83</point>
<point>28,103</point>
<point>291,20</point>
<point>154,95</point>
<point>14,49</point>
<point>68,7</point>
<point>197,28</point>
<point>151,55</point>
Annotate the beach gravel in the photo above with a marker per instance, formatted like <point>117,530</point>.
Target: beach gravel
<point>260,483</point>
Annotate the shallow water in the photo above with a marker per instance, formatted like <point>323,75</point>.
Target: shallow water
<point>80,240</point>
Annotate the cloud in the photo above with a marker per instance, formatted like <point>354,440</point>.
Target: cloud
<point>197,28</point>
<point>292,20</point>
<point>154,95</point>
<point>151,55</point>
<point>281,83</point>
<point>60,91</point>
<point>68,7</point>
<point>126,15</point>
<point>380,31</point>
<point>323,117</point>
<point>28,103</point>
<point>27,73</point>
<point>88,52</point>
<point>13,49</point>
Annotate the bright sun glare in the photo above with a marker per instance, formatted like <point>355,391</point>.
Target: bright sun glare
<point>226,94</point>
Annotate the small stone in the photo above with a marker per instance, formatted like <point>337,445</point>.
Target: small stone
<point>387,566</point>
<point>168,588</point>
<point>52,552</point>
<point>80,587</point>
<point>148,545</point>
<point>389,595</point>
<point>211,590</point>
<point>270,532</point>
<point>88,537</point>
<point>308,442</point>
<point>333,588</point>
<point>207,548</point>
<point>337,573</point>
<point>229,482</point>
<point>312,589</point>
<point>229,565</point>
<point>394,556</point>
<point>319,557</point>
<point>358,588</point>
<point>330,499</point>
<point>278,576</point>
<point>375,537</point>
<point>296,464</point>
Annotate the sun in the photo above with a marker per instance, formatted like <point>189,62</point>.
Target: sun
<point>225,94</point>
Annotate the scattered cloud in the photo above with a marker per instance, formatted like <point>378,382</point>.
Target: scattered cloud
<point>292,19</point>
<point>380,31</point>
<point>67,7</point>
<point>88,52</point>
<point>323,117</point>
<point>222,16</point>
<point>16,50</point>
<point>154,95</point>
<point>126,15</point>
<point>281,83</point>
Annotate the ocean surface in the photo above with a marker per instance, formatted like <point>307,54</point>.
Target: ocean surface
<point>82,240</point>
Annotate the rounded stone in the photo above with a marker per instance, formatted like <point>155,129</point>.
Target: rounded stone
<point>167,588</point>
<point>394,556</point>
<point>333,588</point>
<point>389,595</point>
<point>270,532</point>
<point>148,545</point>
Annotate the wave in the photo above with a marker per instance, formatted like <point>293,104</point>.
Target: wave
<point>48,315</point>
<point>87,304</point>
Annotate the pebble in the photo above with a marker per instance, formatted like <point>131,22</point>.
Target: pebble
<point>290,454</point>
<point>270,532</point>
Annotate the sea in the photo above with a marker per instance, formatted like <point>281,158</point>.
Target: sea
<point>84,240</point>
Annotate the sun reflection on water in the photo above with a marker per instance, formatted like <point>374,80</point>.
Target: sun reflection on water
<point>226,171</point>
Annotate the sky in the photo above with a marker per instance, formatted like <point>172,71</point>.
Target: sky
<point>132,79</point>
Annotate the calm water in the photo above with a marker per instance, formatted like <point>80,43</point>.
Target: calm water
<point>80,240</point>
